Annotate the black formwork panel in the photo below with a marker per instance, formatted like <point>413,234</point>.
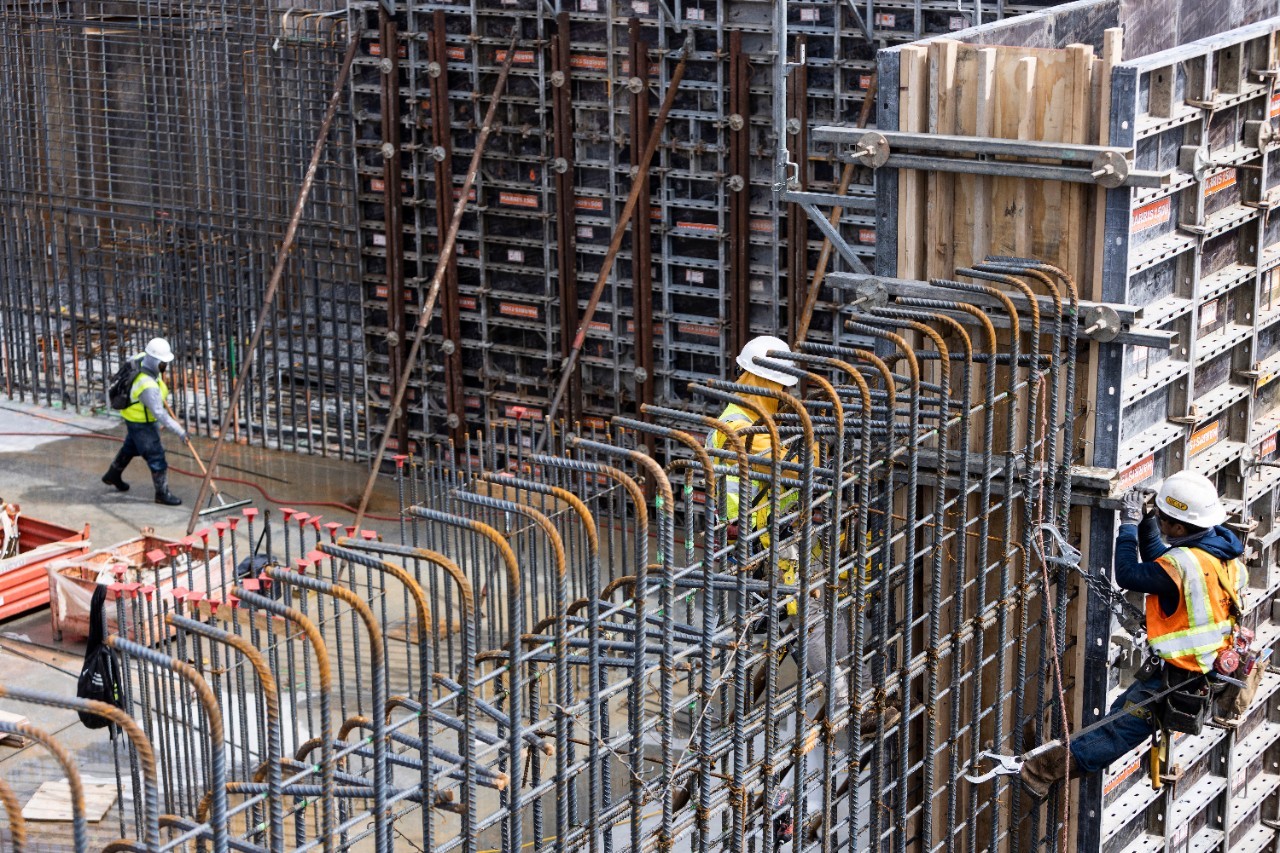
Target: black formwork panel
<point>507,256</point>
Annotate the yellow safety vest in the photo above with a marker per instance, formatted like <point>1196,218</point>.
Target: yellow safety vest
<point>137,412</point>
<point>1191,637</point>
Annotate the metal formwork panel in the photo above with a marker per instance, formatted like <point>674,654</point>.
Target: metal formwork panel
<point>1198,255</point>
<point>723,257</point>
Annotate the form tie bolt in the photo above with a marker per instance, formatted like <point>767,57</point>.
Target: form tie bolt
<point>736,122</point>
<point>385,65</point>
<point>560,165</point>
<point>735,183</point>
<point>393,339</point>
<point>434,69</point>
<point>453,420</point>
<point>557,79</point>
<point>388,150</point>
<point>438,154</point>
<point>635,85</point>
<point>448,347</point>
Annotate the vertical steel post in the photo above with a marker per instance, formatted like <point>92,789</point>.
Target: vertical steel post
<point>738,318</point>
<point>442,141</point>
<point>566,222</point>
<point>641,235</point>
<point>393,213</point>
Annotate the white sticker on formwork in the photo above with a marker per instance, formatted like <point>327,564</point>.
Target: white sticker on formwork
<point>958,22</point>
<point>589,6</point>
<point>886,21</point>
<point>694,276</point>
<point>586,232</point>
<point>515,256</point>
<point>809,14</point>
<point>640,7</point>
<point>1208,313</point>
<point>693,13</point>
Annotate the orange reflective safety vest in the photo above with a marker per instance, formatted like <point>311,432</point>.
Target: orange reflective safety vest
<point>1211,591</point>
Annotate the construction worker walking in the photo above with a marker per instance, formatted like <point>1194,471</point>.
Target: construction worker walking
<point>1188,565</point>
<point>145,409</point>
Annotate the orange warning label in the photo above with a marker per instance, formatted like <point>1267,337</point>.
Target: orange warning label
<point>515,309</point>
<point>467,302</point>
<point>1275,105</point>
<point>1219,182</point>
<point>587,203</point>
<point>455,52</point>
<point>762,226</point>
<point>1151,215</point>
<point>518,199</point>
<point>1137,472</point>
<point>706,227</point>
<point>1205,437</point>
<point>588,63</point>
<point>522,57</point>
<point>695,329</point>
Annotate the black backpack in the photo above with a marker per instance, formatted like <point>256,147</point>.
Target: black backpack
<point>120,391</point>
<point>100,676</point>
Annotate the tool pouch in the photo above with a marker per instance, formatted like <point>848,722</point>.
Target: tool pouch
<point>1234,701</point>
<point>1186,707</point>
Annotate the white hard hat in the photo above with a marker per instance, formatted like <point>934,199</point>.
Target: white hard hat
<point>760,348</point>
<point>1191,498</point>
<point>160,350</point>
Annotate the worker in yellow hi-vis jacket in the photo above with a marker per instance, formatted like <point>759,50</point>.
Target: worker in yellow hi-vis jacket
<point>756,494</point>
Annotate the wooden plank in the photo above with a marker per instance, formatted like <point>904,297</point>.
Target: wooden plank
<point>15,719</point>
<point>941,202</point>
<point>1077,234</point>
<point>52,801</point>
<point>984,118</point>
<point>912,117</point>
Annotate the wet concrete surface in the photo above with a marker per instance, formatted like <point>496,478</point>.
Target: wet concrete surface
<point>51,462</point>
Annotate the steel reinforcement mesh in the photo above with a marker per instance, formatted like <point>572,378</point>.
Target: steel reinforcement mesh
<point>583,651</point>
<point>150,157</point>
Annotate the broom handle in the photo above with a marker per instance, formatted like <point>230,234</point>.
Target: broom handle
<point>196,456</point>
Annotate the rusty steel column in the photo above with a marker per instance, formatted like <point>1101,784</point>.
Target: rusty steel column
<point>393,212</point>
<point>797,221</point>
<point>566,218</point>
<point>739,119</point>
<point>451,325</point>
<point>641,223</point>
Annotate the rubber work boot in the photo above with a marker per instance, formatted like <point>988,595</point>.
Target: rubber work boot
<point>1040,772</point>
<point>163,495</point>
<point>112,478</point>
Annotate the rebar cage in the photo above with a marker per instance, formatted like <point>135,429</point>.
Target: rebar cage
<point>150,159</point>
<point>578,650</point>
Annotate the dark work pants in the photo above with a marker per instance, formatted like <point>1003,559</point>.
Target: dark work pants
<point>143,440</point>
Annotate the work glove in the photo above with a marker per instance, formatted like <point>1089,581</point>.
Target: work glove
<point>183,436</point>
<point>1131,507</point>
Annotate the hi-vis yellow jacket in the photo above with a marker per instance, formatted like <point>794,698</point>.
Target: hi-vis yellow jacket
<point>1191,637</point>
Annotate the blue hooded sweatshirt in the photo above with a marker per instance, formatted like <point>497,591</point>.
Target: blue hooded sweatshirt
<point>1146,575</point>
